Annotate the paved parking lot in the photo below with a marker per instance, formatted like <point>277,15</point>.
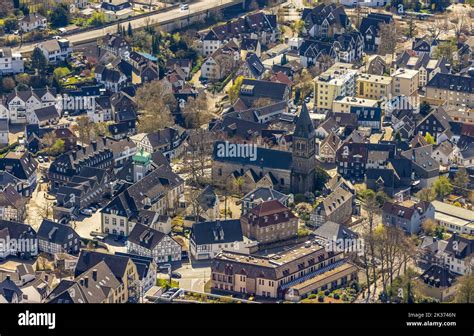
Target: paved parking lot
<point>194,276</point>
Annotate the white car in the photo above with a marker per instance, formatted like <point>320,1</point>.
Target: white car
<point>184,7</point>
<point>86,212</point>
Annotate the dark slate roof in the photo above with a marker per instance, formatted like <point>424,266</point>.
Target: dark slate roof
<point>367,113</point>
<point>21,165</point>
<point>207,199</point>
<point>266,157</point>
<point>47,113</point>
<point>265,194</point>
<point>266,89</point>
<point>334,231</point>
<point>54,232</point>
<point>88,259</point>
<point>217,232</point>
<point>452,83</point>
<point>304,125</point>
<point>255,65</point>
<point>398,210</point>
<point>460,247</point>
<point>438,276</point>
<point>143,263</point>
<point>16,230</point>
<point>145,236</point>
<point>8,289</point>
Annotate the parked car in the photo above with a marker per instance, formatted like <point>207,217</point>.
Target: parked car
<point>184,7</point>
<point>176,275</point>
<point>86,212</point>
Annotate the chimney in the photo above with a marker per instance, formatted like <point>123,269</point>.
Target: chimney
<point>104,140</point>
<point>94,145</point>
<point>94,275</point>
<point>86,282</point>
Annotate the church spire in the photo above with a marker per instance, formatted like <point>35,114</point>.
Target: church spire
<point>304,125</point>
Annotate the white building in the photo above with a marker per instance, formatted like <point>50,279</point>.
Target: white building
<point>55,50</point>
<point>33,22</point>
<point>10,63</point>
<point>147,242</point>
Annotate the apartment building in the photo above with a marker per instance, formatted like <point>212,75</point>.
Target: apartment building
<point>338,81</point>
<point>405,82</point>
<point>453,89</point>
<point>292,274</point>
<point>269,222</point>
<point>345,104</point>
<point>373,86</point>
<point>10,62</point>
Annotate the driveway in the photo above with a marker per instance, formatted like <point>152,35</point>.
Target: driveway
<point>194,275</point>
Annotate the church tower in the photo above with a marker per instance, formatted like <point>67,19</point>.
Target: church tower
<point>141,165</point>
<point>304,154</point>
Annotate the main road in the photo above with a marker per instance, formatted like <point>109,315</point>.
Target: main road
<point>171,15</point>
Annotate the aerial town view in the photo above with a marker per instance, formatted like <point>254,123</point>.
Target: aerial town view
<point>236,151</point>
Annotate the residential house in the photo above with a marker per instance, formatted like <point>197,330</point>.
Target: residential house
<point>325,20</point>
<point>55,50</point>
<point>408,216</point>
<point>19,232</point>
<point>10,62</point>
<point>32,21</point>
<point>328,148</point>
<point>4,132</point>
<point>148,242</point>
<point>57,238</point>
<point>370,29</point>
<point>12,204</point>
<point>260,195</point>
<point>122,268</point>
<point>114,44</point>
<point>23,166</point>
<point>425,168</point>
<point>208,239</point>
<point>336,207</point>
<point>373,86</point>
<point>459,254</point>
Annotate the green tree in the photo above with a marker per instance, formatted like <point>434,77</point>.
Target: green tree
<point>57,148</point>
<point>8,84</point>
<point>426,194</point>
<point>96,20</point>
<point>129,30</point>
<point>38,60</point>
<point>10,24</point>
<point>60,16</point>
<point>429,139</point>
<point>234,90</point>
<point>442,187</point>
<point>61,72</point>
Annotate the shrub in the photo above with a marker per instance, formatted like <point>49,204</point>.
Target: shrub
<point>320,298</point>
<point>336,296</point>
<point>312,296</point>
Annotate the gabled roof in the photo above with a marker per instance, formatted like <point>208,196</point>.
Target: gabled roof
<point>145,236</point>
<point>452,83</point>
<point>217,232</point>
<point>89,259</point>
<point>54,232</point>
<point>334,231</point>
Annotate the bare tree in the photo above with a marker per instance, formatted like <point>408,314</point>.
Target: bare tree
<point>155,105</point>
<point>226,64</point>
<point>85,129</point>
<point>438,27</point>
<point>388,38</point>
<point>196,111</point>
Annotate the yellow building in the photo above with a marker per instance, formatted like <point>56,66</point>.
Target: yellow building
<point>373,86</point>
<point>344,104</point>
<point>405,82</point>
<point>338,81</point>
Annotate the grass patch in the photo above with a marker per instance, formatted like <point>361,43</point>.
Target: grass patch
<point>165,283</point>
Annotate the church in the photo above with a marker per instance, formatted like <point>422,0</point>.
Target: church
<point>286,171</point>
